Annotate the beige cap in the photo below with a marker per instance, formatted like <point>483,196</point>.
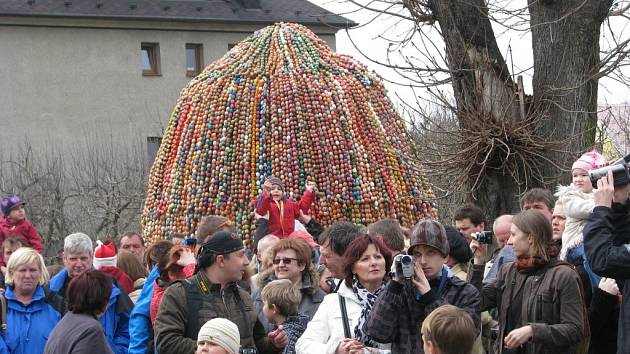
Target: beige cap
<point>222,332</point>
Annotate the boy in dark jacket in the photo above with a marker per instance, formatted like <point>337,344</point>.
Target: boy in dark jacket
<point>606,242</point>
<point>15,224</point>
<point>282,210</point>
<point>280,306</point>
<point>404,304</point>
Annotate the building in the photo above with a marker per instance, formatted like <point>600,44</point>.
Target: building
<point>89,70</point>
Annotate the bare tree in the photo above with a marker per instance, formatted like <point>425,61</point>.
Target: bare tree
<point>504,141</point>
<point>95,186</point>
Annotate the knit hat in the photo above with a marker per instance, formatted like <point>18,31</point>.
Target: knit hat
<point>275,181</point>
<point>589,161</point>
<point>304,235</point>
<point>458,245</point>
<point>9,202</point>
<point>429,233</point>
<point>104,254</point>
<point>222,332</point>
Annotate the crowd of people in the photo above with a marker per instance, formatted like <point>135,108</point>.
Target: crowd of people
<point>548,279</point>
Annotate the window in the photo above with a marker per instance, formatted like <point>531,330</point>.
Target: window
<point>150,53</point>
<point>153,145</point>
<point>194,59</point>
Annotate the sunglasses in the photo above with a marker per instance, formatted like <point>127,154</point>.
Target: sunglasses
<point>285,260</point>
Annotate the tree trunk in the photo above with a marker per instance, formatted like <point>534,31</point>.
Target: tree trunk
<point>484,92</point>
<point>565,42</point>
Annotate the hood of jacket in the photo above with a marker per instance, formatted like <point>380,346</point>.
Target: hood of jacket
<point>37,301</point>
<point>56,283</point>
<point>572,234</point>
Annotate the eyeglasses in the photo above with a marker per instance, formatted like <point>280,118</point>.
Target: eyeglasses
<point>285,260</point>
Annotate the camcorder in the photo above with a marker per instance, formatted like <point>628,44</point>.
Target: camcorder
<point>619,169</point>
<point>403,265</point>
<point>483,237</point>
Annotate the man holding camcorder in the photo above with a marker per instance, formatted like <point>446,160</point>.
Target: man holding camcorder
<point>607,242</point>
<point>419,285</point>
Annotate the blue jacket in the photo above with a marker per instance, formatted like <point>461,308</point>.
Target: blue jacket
<point>28,326</point>
<point>115,320</point>
<point>506,255</point>
<point>575,255</point>
<point>140,321</point>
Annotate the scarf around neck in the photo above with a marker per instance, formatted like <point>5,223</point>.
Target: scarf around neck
<point>528,265</point>
<point>366,299</point>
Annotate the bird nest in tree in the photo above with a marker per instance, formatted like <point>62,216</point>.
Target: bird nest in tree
<point>282,103</point>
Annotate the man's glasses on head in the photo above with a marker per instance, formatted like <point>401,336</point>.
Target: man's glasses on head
<point>285,260</point>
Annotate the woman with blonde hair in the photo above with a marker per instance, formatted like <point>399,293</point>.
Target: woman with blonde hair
<point>291,259</point>
<point>541,308</point>
<point>32,311</point>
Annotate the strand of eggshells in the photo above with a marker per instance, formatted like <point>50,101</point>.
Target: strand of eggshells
<point>283,103</point>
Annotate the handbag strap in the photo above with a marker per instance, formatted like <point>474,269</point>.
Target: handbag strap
<point>344,316</point>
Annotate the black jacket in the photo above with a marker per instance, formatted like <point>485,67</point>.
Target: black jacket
<point>607,246</point>
<point>603,314</point>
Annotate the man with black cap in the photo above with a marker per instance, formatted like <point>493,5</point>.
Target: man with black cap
<point>400,309</point>
<point>212,293</point>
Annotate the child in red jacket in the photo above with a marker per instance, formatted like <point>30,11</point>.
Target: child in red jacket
<point>15,224</point>
<point>282,210</point>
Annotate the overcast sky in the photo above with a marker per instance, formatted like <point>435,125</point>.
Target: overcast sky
<point>367,41</point>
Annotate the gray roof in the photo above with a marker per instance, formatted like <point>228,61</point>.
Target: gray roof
<point>235,11</point>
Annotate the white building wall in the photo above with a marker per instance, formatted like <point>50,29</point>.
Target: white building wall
<point>60,82</point>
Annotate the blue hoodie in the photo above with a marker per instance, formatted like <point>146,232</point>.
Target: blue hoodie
<point>140,321</point>
<point>115,324</point>
<point>28,326</point>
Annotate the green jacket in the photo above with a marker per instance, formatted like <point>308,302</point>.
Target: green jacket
<point>171,324</point>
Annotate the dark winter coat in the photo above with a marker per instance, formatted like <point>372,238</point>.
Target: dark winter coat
<point>398,313</point>
<point>294,327</point>
<point>606,241</point>
<point>77,334</point>
<point>172,331</point>
<point>603,315</point>
<point>551,304</point>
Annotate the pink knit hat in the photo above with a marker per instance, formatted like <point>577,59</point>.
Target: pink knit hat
<point>304,235</point>
<point>589,161</point>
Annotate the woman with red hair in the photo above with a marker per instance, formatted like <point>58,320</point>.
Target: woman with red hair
<point>365,263</point>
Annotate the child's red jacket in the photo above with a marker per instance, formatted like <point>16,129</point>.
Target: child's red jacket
<point>22,229</point>
<point>282,214</point>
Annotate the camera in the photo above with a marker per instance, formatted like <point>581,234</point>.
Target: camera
<point>403,264</point>
<point>619,169</point>
<point>248,351</point>
<point>483,237</point>
<point>190,242</point>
